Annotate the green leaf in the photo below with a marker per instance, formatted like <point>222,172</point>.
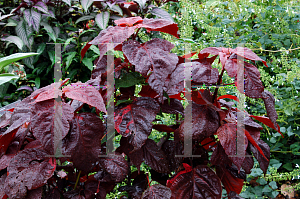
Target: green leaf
<point>288,166</point>
<point>261,181</point>
<point>161,13</point>
<point>14,57</point>
<point>117,9</point>
<point>15,40</point>
<point>68,41</point>
<point>129,79</point>
<point>70,59</point>
<point>141,3</point>
<point>6,77</point>
<point>266,189</point>
<point>84,18</point>
<point>95,49</point>
<point>102,19</point>
<point>24,31</point>
<point>49,30</point>
<point>67,2</point>
<point>86,4</point>
<point>123,101</point>
<point>37,82</point>
<point>88,63</point>
<point>273,185</point>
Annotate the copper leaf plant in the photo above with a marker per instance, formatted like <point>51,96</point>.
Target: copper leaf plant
<point>57,116</point>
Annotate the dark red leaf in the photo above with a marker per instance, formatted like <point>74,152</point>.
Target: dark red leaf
<point>250,123</point>
<point>252,85</point>
<point>83,143</point>
<point>200,182</point>
<point>53,193</point>
<point>248,54</point>
<point>35,193</point>
<point>163,128</point>
<point>231,66</point>
<point>48,92</point>
<point>253,142</point>
<point>147,91</point>
<point>189,55</point>
<point>267,122</point>
<point>115,35</point>
<point>5,119</point>
<point>5,140</point>
<point>85,93</point>
<point>205,122</point>
<point>207,143</point>
<point>229,97</point>
<point>233,195</point>
<point>5,160</point>
<point>136,157</point>
<point>28,170</point>
<point>155,55</point>
<point>93,190</point>
<point>51,119</point>
<point>203,73</point>
<point>210,50</point>
<point>136,120</point>
<point>155,157</point>
<point>231,182</point>
<point>171,149</point>
<point>248,163</point>
<point>161,25</point>
<point>174,107</point>
<point>269,101</point>
<point>2,185</point>
<point>116,166</point>
<point>261,156</point>
<point>219,157</point>
<point>157,191</point>
<point>227,135</point>
<point>128,21</point>
<point>174,85</point>
<point>140,183</point>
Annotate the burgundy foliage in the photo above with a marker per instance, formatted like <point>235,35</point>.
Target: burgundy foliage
<point>53,143</point>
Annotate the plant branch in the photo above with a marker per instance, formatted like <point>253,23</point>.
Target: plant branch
<point>77,180</point>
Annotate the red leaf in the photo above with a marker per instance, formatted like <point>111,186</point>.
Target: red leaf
<point>231,182</point>
<point>128,21</point>
<point>205,122</point>
<point>147,91</point>
<point>229,97</point>
<point>157,191</point>
<point>269,101</point>
<point>51,119</point>
<point>83,141</point>
<point>2,184</point>
<point>203,73</point>
<point>252,85</point>
<point>249,137</point>
<point>262,153</point>
<point>211,50</point>
<point>175,107</point>
<point>155,55</point>
<point>172,148</point>
<point>116,166</point>
<point>267,122</point>
<point>189,55</point>
<point>136,119</point>
<point>207,142</point>
<point>28,170</point>
<point>115,35</point>
<point>248,54</point>
<point>163,128</point>
<point>155,157</point>
<point>161,25</point>
<point>5,140</point>
<point>227,135</point>
<point>85,93</point>
<point>187,169</point>
<point>201,183</point>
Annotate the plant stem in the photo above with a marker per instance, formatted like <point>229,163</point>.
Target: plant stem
<point>218,83</point>
<point>134,36</point>
<point>77,180</point>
